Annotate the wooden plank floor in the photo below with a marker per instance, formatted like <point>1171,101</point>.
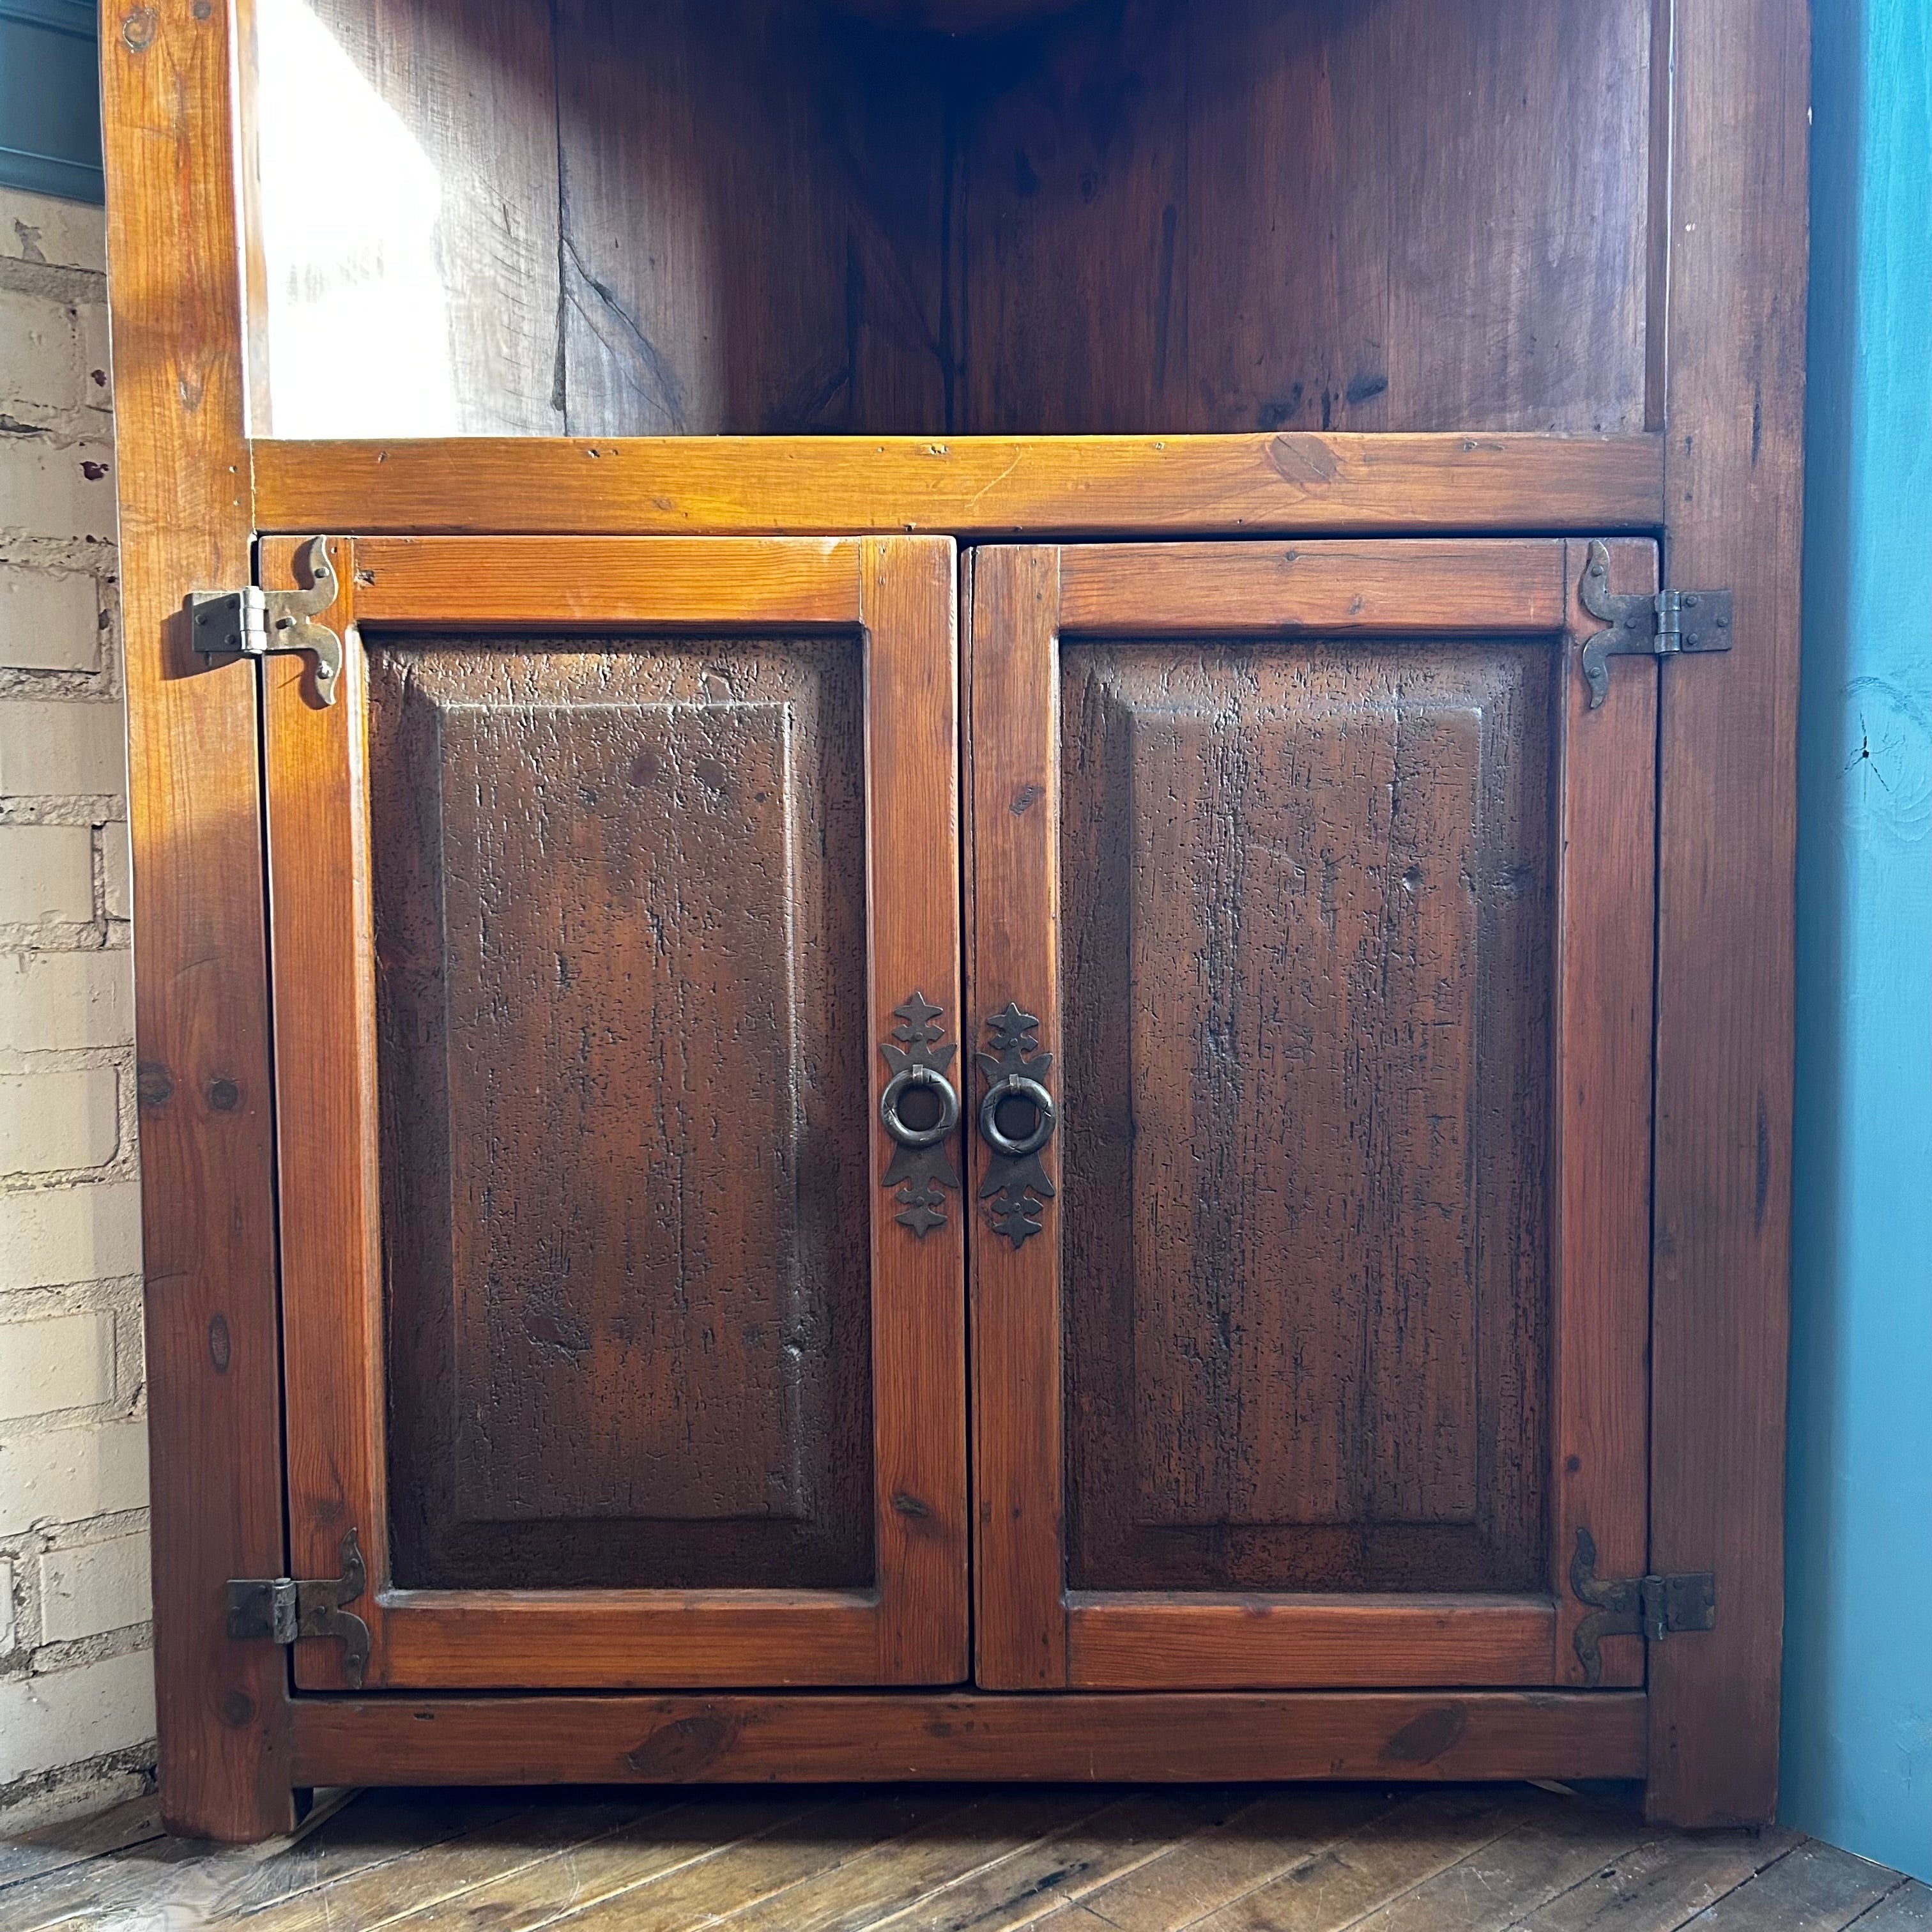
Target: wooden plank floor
<point>1489,1858</point>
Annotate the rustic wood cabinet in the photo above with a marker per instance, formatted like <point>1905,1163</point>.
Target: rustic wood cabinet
<point>963,843</point>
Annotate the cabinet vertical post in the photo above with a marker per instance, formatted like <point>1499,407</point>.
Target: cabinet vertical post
<point>202,1021</point>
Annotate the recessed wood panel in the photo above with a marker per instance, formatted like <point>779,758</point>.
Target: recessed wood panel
<point>1304,997</point>
<point>620,933</point>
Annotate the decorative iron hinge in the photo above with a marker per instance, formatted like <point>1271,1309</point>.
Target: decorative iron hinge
<point>255,622</point>
<point>1644,625</point>
<point>1652,1607</point>
<point>283,1610</point>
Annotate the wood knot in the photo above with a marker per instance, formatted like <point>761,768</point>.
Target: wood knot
<point>683,1747</point>
<point>1424,1739</point>
<point>137,29</point>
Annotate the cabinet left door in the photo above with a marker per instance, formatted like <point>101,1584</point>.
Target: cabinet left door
<point>623,1304</point>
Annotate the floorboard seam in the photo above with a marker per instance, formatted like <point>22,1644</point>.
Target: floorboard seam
<point>706,1856</point>
<point>990,1864</point>
<point>1851,1925</point>
<point>416,1909</point>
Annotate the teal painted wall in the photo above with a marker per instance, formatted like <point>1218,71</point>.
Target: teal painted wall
<point>49,98</point>
<point>1858,1677</point>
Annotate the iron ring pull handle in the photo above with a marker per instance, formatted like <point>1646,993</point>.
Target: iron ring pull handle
<point>921,1170</point>
<point>931,1081</point>
<point>1016,1087</point>
<point>1016,1188</point>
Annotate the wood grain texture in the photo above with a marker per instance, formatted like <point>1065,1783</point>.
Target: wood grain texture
<point>1662,1884</point>
<point>322,977</point>
<point>1144,218</point>
<point>215,1882</point>
<point>1263,1396</point>
<point>580,1858</point>
<point>408,200</point>
<point>1551,1847</point>
<point>580,1639</point>
<point>620,913</point>
<point>716,219</point>
<point>1165,1640</point>
<point>978,487</point>
<point>1224,1857</point>
<point>1383,1862</point>
<point>650,1378</point>
<point>200,944</point>
<point>752,204</point>
<point>1474,586</point>
<point>1735,392</point>
<point>1305,992</point>
<point>1254,217</point>
<point>806,1739</point>
<point>1013,791</point>
<point>1815,1886</point>
<point>1605,1007</point>
<point>1003,1852</point>
<point>555,583</point>
<point>913,812</point>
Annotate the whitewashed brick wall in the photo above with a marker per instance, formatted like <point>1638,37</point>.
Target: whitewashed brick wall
<point>77,1684</point>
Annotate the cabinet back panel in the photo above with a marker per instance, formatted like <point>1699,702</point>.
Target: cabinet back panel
<point>745,216</point>
<point>1358,215</point>
<point>619,919</point>
<point>1306,1011</point>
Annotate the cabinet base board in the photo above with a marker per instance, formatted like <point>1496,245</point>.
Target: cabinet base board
<point>824,1738</point>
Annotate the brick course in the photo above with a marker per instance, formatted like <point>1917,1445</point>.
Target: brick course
<point>76,1689</point>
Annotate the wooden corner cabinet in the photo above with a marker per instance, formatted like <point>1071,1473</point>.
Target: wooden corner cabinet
<point>964,843</point>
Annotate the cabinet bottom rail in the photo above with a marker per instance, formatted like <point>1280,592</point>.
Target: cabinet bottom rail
<point>1126,1737</point>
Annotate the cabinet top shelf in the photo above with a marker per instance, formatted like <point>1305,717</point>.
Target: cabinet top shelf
<point>1283,483</point>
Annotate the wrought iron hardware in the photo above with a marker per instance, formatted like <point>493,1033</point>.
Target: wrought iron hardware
<point>255,623</point>
<point>1643,624</point>
<point>1652,1607</point>
<point>921,1165</point>
<point>1015,1070</point>
<point>283,1610</point>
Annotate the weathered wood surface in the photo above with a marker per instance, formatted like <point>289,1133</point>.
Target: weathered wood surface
<point>763,218</point>
<point>1306,1203</point>
<point>1189,1638</point>
<point>1220,1858</point>
<point>200,945</point>
<point>322,977</point>
<point>1249,216</point>
<point>1289,901</point>
<point>619,915</point>
<point>1013,937</point>
<point>622,914</point>
<point>1605,829</point>
<point>1324,1735</point>
<point>1726,892</point>
<point>1296,481</point>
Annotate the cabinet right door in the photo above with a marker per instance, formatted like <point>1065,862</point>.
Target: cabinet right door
<point>1311,903</point>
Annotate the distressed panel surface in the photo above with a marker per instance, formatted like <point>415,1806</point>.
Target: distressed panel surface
<point>1306,953</point>
<point>620,909</point>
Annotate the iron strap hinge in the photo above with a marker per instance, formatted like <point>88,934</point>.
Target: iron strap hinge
<point>253,622</point>
<point>1651,1607</point>
<point>1646,624</point>
<point>283,1610</point>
